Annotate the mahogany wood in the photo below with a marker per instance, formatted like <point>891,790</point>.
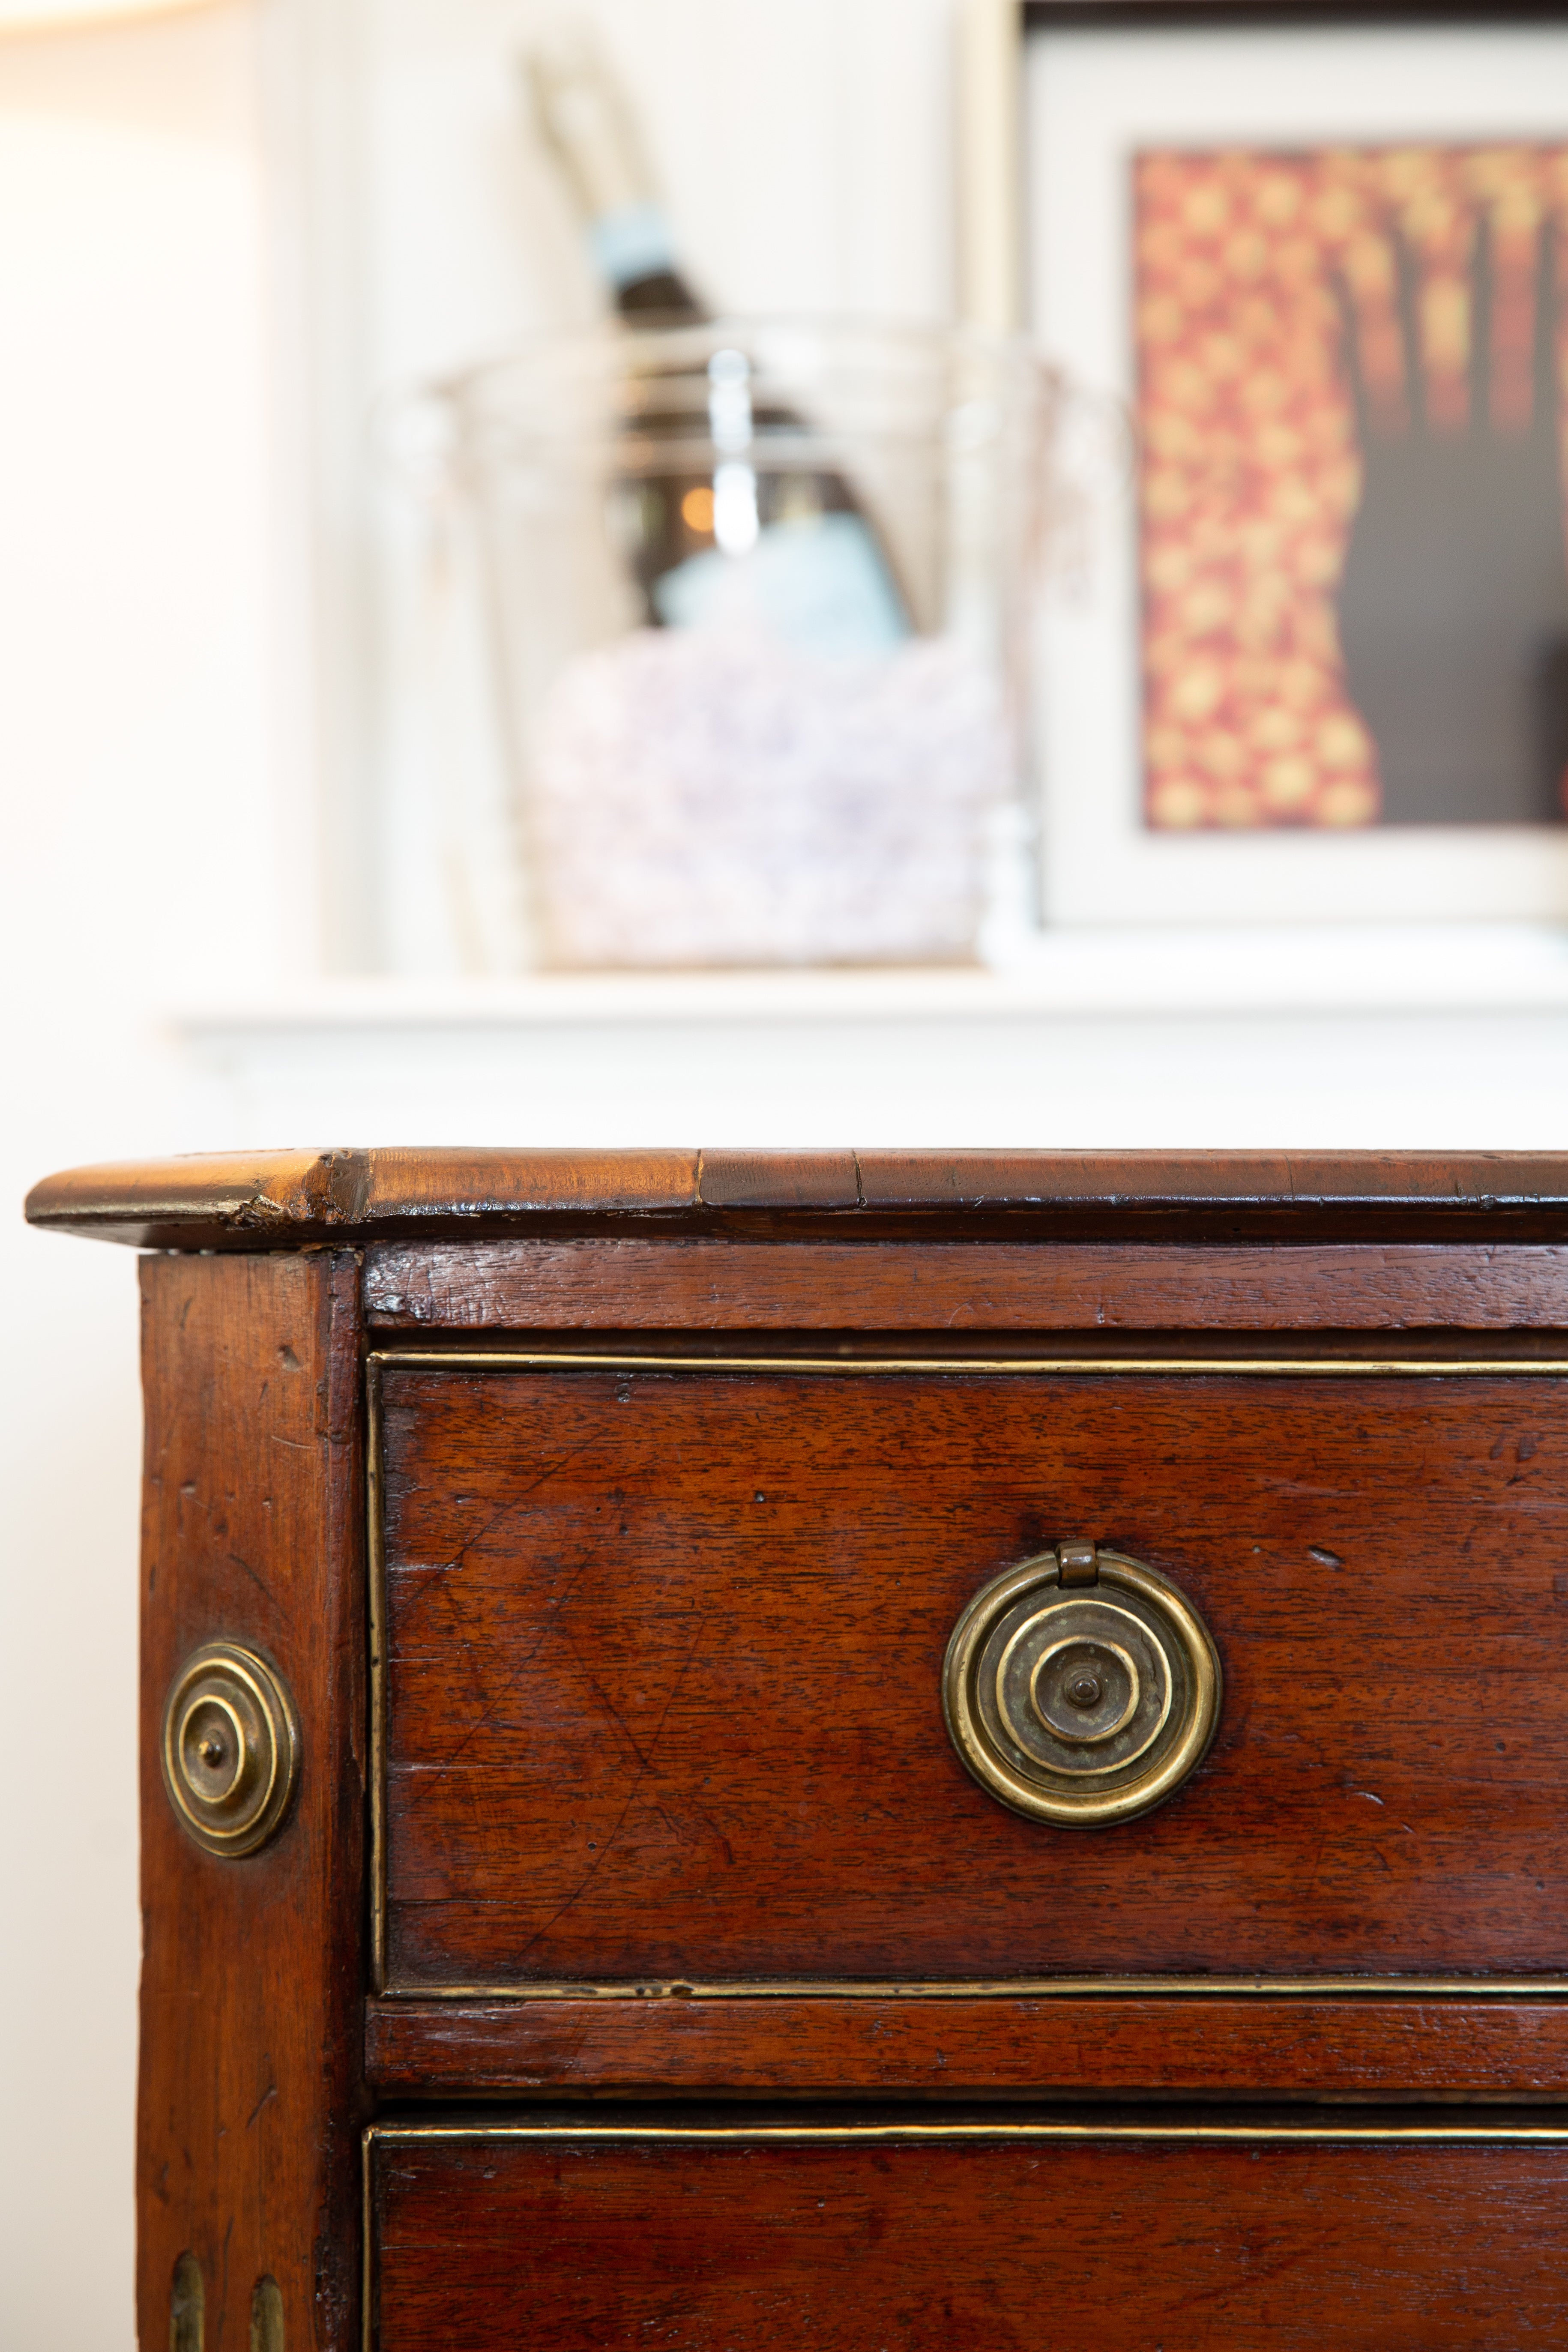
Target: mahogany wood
<point>666,1646</point>
<point>510,1285</point>
<point>1071,2046</point>
<point>588,2246</point>
<point>664,1687</point>
<point>281,1200</point>
<point>253,1971</point>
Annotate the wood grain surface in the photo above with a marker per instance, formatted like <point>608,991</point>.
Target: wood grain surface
<point>282,1200</point>
<point>1069,2045</point>
<point>664,1655</point>
<point>518,1285</point>
<point>253,1971</point>
<point>587,2246</point>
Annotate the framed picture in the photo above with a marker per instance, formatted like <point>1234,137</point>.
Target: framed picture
<point>1318,665</point>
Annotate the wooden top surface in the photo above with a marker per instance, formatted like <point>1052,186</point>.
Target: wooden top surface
<point>300,1199</point>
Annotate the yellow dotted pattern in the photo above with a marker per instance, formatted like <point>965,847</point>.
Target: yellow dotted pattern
<point>1251,472</point>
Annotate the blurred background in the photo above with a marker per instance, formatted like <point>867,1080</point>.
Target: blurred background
<point>299,849</point>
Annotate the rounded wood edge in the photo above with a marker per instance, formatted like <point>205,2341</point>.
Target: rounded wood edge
<point>290,1199</point>
<point>246,1201</point>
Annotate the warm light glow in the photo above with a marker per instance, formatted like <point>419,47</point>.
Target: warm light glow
<point>697,510</point>
<point>66,16</point>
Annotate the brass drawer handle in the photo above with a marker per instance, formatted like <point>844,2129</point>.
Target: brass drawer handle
<point>1081,1688</point>
<point>230,1748</point>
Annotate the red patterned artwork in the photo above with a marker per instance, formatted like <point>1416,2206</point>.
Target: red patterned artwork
<point>1342,344</point>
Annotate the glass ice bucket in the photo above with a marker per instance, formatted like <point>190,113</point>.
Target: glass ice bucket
<point>758,605</point>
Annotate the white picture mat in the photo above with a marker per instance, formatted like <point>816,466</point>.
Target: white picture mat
<point>1093,99</point>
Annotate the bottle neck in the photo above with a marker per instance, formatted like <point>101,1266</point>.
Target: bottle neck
<point>587,123</point>
<point>663,294</point>
<point>634,252</point>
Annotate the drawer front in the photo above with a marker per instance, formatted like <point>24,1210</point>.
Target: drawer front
<point>662,1692</point>
<point>859,2238</point>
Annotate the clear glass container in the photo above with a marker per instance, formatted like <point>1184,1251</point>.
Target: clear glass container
<point>759,599</point>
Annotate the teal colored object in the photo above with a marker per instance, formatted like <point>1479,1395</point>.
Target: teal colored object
<point>819,585</point>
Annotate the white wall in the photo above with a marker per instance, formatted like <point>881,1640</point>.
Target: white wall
<point>138,865</point>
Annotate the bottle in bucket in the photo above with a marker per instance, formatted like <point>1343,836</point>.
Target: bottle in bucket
<point>816,573</point>
<point>756,597</point>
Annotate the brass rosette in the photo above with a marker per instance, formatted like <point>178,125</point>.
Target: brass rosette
<point>230,1748</point>
<point>1081,1687</point>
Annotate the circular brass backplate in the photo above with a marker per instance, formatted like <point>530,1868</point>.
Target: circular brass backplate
<point>230,1748</point>
<point>1083,1705</point>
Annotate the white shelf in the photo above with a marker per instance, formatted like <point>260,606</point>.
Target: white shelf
<point>1161,975</point>
<point>1415,1038</point>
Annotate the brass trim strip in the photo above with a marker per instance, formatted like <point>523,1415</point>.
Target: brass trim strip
<point>375,1569</point>
<point>1189,1367</point>
<point>1310,2135</point>
<point>380,1361</point>
<point>369,2316</point>
<point>1008,1989</point>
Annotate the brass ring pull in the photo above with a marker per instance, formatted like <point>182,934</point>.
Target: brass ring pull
<point>230,1748</point>
<point>1081,1688</point>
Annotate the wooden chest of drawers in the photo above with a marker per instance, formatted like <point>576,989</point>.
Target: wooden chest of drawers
<point>864,1751</point>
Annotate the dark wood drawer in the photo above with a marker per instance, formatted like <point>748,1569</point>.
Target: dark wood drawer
<point>1225,2236</point>
<point>664,1649</point>
<point>666,1825</point>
